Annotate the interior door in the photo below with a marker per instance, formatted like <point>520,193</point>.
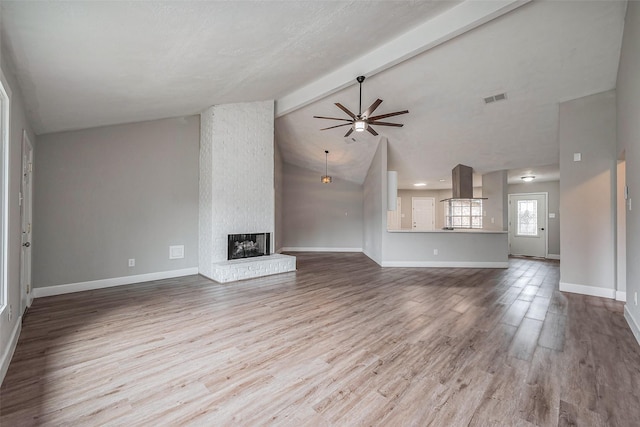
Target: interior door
<point>528,224</point>
<point>25,216</point>
<point>423,213</point>
<point>394,218</point>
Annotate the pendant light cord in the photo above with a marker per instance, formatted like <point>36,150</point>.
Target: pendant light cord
<point>326,154</point>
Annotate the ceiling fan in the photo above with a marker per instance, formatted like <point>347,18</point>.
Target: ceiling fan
<point>363,121</point>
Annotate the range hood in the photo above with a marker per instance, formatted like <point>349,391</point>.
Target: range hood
<point>462,179</point>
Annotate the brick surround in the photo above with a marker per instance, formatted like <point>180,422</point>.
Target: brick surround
<point>236,186</point>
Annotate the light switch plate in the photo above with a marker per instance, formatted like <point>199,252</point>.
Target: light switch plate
<point>577,157</point>
<point>552,215</point>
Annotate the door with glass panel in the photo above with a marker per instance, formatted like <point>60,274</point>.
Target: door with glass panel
<point>528,224</point>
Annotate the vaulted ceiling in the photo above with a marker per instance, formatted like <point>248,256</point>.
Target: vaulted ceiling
<point>87,64</point>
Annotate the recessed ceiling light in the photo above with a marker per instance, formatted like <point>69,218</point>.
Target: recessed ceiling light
<point>420,184</point>
<point>442,180</point>
<point>528,178</point>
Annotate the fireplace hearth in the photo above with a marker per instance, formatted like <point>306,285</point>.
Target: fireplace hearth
<point>248,245</point>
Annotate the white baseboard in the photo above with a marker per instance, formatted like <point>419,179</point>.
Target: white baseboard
<point>372,258</point>
<point>632,324</point>
<point>10,349</point>
<point>108,283</point>
<point>447,264</point>
<point>593,291</point>
<point>553,256</point>
<point>621,296</point>
<point>318,249</point>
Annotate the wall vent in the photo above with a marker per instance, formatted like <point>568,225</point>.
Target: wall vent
<point>495,98</point>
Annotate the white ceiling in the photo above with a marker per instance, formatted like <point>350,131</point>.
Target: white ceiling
<point>85,64</point>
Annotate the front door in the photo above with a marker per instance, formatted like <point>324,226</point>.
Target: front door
<point>423,213</point>
<point>528,224</point>
<point>25,216</point>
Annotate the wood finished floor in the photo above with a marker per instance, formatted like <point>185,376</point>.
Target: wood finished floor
<point>339,342</point>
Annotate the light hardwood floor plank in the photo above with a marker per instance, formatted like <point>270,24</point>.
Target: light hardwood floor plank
<point>339,342</point>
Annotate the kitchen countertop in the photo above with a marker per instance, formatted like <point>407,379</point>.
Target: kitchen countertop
<point>458,230</point>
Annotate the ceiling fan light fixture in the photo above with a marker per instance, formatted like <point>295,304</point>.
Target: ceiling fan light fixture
<point>360,125</point>
<point>528,178</point>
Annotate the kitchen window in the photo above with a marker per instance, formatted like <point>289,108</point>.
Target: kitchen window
<point>463,213</point>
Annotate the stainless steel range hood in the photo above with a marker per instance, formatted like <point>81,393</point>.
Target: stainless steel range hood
<point>462,179</point>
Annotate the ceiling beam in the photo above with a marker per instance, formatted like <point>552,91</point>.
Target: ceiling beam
<point>464,17</point>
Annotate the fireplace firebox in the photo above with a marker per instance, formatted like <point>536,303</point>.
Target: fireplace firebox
<point>248,245</point>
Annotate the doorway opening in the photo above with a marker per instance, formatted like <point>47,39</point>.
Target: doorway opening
<point>26,197</point>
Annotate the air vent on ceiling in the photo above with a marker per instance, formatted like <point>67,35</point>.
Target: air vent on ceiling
<point>495,98</point>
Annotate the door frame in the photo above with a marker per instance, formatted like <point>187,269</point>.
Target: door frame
<point>26,280</point>
<point>546,218</point>
<point>433,211</point>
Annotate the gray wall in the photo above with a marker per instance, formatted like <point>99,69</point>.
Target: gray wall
<point>587,191</point>
<point>628,127</point>
<point>317,215</point>
<point>108,194</point>
<point>553,190</point>
<point>375,204</point>
<point>494,188</point>
<point>18,122</point>
<point>278,189</point>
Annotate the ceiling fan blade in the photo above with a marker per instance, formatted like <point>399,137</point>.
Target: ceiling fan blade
<point>345,124</point>
<point>384,116</point>
<point>331,118</point>
<point>398,125</point>
<point>348,133</point>
<point>346,110</point>
<point>371,131</point>
<point>372,108</point>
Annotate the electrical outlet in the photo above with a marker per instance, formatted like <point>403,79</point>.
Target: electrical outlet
<point>10,314</point>
<point>435,252</point>
<point>635,297</point>
<point>132,262</point>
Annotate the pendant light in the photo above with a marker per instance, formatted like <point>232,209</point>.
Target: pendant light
<point>326,179</point>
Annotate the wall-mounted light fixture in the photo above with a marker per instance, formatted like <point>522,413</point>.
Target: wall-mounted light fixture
<point>326,179</point>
